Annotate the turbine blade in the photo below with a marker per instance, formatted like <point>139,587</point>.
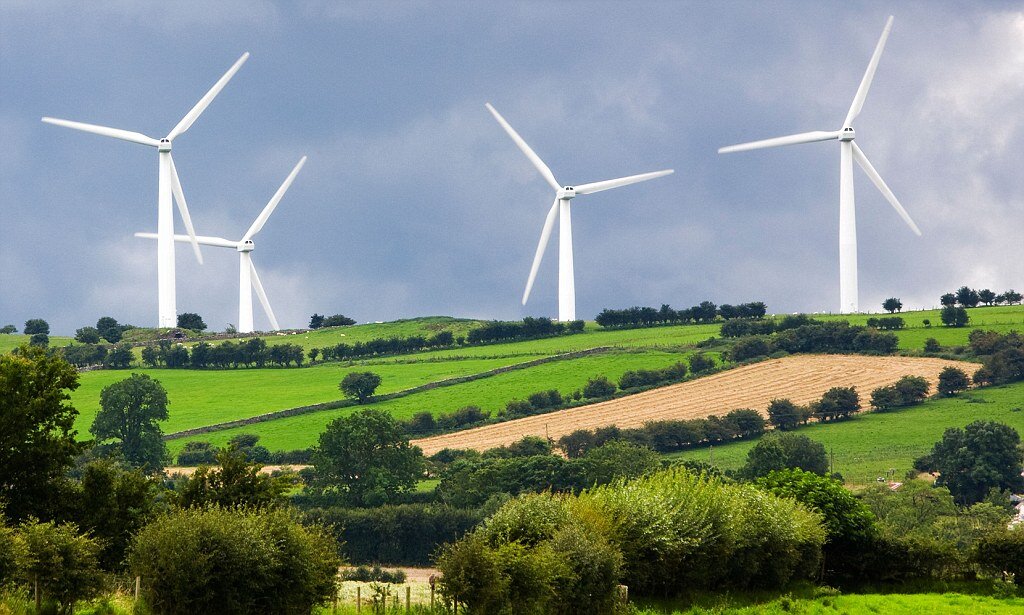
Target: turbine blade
<point>179,198</point>
<point>865,83</point>
<point>865,164</point>
<point>803,137</point>
<point>534,158</point>
<point>258,287</point>
<point>549,223</point>
<point>622,181</point>
<point>205,101</point>
<point>219,242</point>
<point>117,133</point>
<point>261,219</point>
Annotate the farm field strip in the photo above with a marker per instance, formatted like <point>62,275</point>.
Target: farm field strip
<point>800,378</point>
<point>490,394</point>
<point>871,444</point>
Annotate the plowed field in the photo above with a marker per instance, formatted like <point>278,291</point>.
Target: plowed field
<point>801,378</point>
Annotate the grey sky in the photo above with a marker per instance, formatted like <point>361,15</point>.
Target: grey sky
<point>414,201</point>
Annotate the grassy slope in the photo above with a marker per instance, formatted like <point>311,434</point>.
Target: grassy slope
<point>871,444</point>
<point>490,394</point>
<point>10,342</point>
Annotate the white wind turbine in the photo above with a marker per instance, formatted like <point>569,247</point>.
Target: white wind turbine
<point>168,187</point>
<point>248,279</point>
<point>563,194</point>
<point>849,151</point>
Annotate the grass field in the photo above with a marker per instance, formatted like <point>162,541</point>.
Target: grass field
<point>873,443</point>
<point>10,342</point>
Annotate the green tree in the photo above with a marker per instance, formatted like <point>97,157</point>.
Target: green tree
<point>366,459</point>
<point>236,482</point>
<point>37,435</point>
<point>982,456</point>
<point>129,413</point>
<point>952,316</point>
<point>952,380</point>
<point>338,320</point>
<point>618,459</point>
<point>967,297</point>
<point>115,503</point>
<point>191,321</point>
<point>316,321</point>
<point>87,335</point>
<point>359,385</point>
<point>39,340</point>
<point>36,325</point>
<point>947,300</point>
<point>784,414</point>
<point>8,329</point>
<point>119,357</point>
<point>781,451</point>
<point>986,296</point>
<point>598,386</point>
<point>892,304</point>
<point>64,562</point>
<point>1012,297</point>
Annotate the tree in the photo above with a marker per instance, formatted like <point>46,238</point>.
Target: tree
<point>365,459</point>
<point>1012,297</point>
<point>784,414</point>
<point>360,385</point>
<point>892,304</point>
<point>338,320</point>
<point>986,296</point>
<point>119,357</point>
<point>36,325</point>
<point>62,561</point>
<point>954,316</point>
<point>837,403</point>
<point>781,451</point>
<point>967,297</point>
<point>8,329</point>
<point>932,345</point>
<point>37,435</point>
<point>129,412</point>
<point>951,381</point>
<point>191,321</point>
<point>700,363</point>
<point>114,504</point>
<point>982,456</point>
<point>39,340</point>
<point>316,321</point>
<point>598,386</point>
<point>947,300</point>
<point>618,459</point>
<point>235,483</point>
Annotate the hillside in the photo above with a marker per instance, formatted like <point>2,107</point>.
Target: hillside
<point>800,378</point>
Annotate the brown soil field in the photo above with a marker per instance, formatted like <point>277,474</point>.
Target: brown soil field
<point>800,378</point>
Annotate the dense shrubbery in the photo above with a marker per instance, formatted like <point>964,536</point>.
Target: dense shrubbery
<point>1002,356</point>
<point>811,336</point>
<point>228,561</point>
<point>650,377</point>
<point>63,562</point>
<point>529,328</point>
<point>703,313</point>
<point>253,352</point>
<point>967,297</point>
<point>886,323</point>
<point>784,451</point>
<point>376,574</point>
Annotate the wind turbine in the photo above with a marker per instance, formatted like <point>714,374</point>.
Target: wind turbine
<point>248,279</point>
<point>168,187</point>
<point>563,194</point>
<point>848,152</point>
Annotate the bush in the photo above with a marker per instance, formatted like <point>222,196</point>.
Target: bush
<point>1001,552</point>
<point>952,381</point>
<point>226,561</point>
<point>781,451</point>
<point>63,562</point>
<point>360,386</point>
<point>932,345</point>
<point>365,574</point>
<point>12,554</point>
<point>700,363</point>
<point>598,386</point>
<point>750,348</point>
<point>197,453</point>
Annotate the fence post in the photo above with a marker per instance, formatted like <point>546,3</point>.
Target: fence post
<point>138,585</point>
<point>408,595</point>
<point>359,600</point>
<point>431,596</point>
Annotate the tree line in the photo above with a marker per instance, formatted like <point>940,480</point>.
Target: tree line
<point>968,297</point>
<point>800,334</point>
<point>704,312</point>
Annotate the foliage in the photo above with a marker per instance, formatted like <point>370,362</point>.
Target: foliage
<point>365,459</point>
<point>954,316</point>
<point>39,340</point>
<point>648,377</point>
<point>233,561</point>
<point>973,460</point>
<point>196,453</point>
<point>618,459</point>
<point>360,385</point>
<point>706,311</point>
<point>37,437</point>
<point>892,304</point>
<point>87,335</point>
<point>529,328</point>
<point>130,413</point>
<point>8,329</point>
<point>952,380</point>
<point>376,574</point>
<point>1001,552</point>
<point>907,391</point>
<point>785,415</point>
<point>337,320</point>
<point>64,562</point>
<point>36,325</point>
<point>234,482</point>
<point>780,451</point>
<point>113,504</point>
<point>191,321</point>
<point>598,387</point>
<point>836,403</point>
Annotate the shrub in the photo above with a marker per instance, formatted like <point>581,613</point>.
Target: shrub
<point>932,345</point>
<point>952,381</point>
<point>1001,552</point>
<point>784,414</point>
<point>598,386</point>
<point>12,554</point>
<point>228,561</point>
<point>360,385</point>
<point>781,451</point>
<point>750,348</point>
<point>700,363</point>
<point>837,403</point>
<point>63,562</point>
<point>376,574</point>
<point>196,453</point>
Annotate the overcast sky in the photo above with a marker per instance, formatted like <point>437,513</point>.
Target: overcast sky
<point>414,202</point>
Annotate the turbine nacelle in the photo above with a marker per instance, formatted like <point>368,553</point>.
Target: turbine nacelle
<point>847,134</point>
<point>246,246</point>
<point>164,145</point>
<point>566,193</point>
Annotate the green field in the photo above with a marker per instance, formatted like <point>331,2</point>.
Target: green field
<point>10,342</point>
<point>867,446</point>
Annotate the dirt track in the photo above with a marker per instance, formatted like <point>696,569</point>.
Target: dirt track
<point>801,378</point>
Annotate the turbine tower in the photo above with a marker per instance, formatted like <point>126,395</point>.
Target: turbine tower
<point>248,279</point>
<point>563,195</point>
<point>168,187</point>
<point>848,152</point>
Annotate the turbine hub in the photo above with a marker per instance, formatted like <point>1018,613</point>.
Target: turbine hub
<point>848,134</point>
<point>165,145</point>
<point>246,246</point>
<point>566,193</point>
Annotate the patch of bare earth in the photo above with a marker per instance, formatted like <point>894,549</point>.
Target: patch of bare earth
<point>800,378</point>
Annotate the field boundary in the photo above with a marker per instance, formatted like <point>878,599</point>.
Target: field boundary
<point>345,403</point>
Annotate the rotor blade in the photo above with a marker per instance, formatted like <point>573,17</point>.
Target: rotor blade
<point>179,198</point>
<point>549,223</point>
<point>534,158</point>
<point>219,242</point>
<point>622,181</point>
<point>865,83</point>
<point>865,164</point>
<point>205,101</point>
<point>803,137</point>
<point>269,209</point>
<point>117,133</point>
<point>258,287</point>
